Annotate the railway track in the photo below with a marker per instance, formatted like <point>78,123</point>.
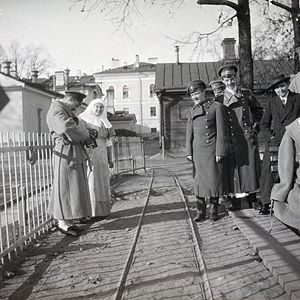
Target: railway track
<point>160,266</point>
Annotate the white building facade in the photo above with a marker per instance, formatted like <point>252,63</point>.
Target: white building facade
<point>131,89</point>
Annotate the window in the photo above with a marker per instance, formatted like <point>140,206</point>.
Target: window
<point>153,111</point>
<point>151,90</point>
<point>110,93</point>
<point>125,92</point>
<point>39,118</point>
<point>184,112</point>
<point>153,130</point>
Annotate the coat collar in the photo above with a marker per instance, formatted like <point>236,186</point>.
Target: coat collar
<point>294,130</point>
<point>230,98</point>
<point>64,106</point>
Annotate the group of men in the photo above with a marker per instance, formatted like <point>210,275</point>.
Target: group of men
<point>222,141</point>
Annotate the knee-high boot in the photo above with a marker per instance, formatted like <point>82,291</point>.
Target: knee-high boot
<point>201,209</point>
<point>235,204</point>
<point>214,202</point>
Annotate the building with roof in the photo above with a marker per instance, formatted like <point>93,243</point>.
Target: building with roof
<point>83,83</point>
<point>130,88</point>
<point>28,103</point>
<point>171,88</point>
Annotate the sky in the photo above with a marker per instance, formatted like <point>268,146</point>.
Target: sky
<point>87,42</point>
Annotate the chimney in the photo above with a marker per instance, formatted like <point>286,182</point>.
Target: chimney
<point>67,79</point>
<point>34,76</point>
<point>137,61</point>
<point>6,67</point>
<point>153,60</point>
<point>228,45</point>
<point>177,54</point>
<point>114,63</point>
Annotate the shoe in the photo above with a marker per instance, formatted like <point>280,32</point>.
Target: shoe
<point>199,218</point>
<point>265,210</point>
<point>70,231</point>
<point>233,208</point>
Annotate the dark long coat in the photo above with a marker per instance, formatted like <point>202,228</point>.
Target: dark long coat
<point>276,117</point>
<point>286,193</point>
<point>69,195</point>
<point>243,113</point>
<point>205,138</point>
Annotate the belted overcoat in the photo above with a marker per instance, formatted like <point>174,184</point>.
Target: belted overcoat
<point>286,193</point>
<point>243,115</point>
<point>275,118</point>
<point>206,137</point>
<point>69,195</point>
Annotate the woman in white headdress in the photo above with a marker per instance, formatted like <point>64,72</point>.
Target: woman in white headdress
<point>95,116</point>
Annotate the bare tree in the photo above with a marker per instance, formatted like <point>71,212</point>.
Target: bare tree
<point>25,59</point>
<point>294,11</point>
<point>273,38</point>
<point>242,11</point>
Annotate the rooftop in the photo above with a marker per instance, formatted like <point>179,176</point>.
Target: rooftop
<point>143,67</point>
<point>173,76</point>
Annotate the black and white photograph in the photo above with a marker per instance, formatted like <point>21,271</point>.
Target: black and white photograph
<point>149,149</point>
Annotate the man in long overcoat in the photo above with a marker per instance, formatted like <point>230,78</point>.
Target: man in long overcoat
<point>243,115</point>
<point>69,196</point>
<point>286,193</point>
<point>280,111</point>
<point>206,147</point>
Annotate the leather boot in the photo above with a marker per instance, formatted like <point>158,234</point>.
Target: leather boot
<point>201,210</point>
<point>214,202</point>
<point>253,202</point>
<point>235,204</point>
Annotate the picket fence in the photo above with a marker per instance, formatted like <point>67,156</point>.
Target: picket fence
<point>26,175</point>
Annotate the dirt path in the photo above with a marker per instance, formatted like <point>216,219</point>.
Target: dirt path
<point>90,267</point>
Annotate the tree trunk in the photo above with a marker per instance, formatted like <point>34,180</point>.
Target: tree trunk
<point>296,26</point>
<point>245,52</point>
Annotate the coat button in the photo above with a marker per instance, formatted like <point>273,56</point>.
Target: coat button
<point>232,134</point>
<point>245,124</point>
<point>206,120</point>
<point>230,120</point>
<point>207,141</point>
<point>206,126</point>
<point>206,133</point>
<point>231,126</point>
<point>244,109</point>
<point>246,130</point>
<point>207,112</point>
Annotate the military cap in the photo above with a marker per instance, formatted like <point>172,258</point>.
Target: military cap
<point>278,79</point>
<point>79,96</point>
<point>228,68</point>
<point>196,84</point>
<point>218,83</point>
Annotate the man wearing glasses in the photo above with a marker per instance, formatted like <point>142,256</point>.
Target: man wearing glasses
<point>244,113</point>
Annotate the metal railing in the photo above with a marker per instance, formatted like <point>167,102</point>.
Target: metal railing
<point>128,154</point>
<point>26,176</point>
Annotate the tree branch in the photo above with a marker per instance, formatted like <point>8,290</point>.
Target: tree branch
<point>219,2</point>
<point>283,6</point>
